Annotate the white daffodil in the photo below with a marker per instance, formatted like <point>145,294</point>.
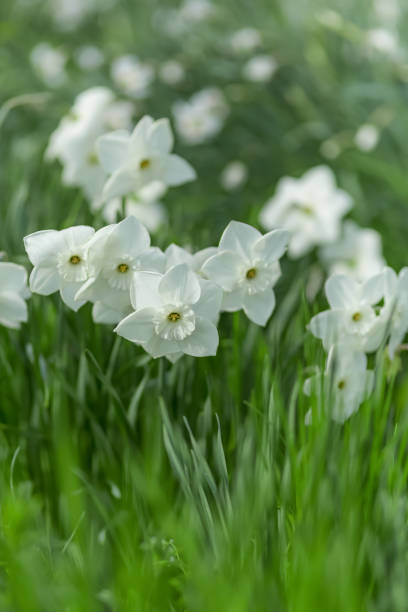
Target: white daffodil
<point>310,208</point>
<point>114,254</point>
<point>13,293</point>
<point>60,261</point>
<point>358,253</point>
<point>394,315</point>
<point>137,159</point>
<point>173,314</point>
<point>352,317</point>
<point>346,383</point>
<point>201,117</point>
<point>260,68</point>
<point>246,267</point>
<point>132,76</point>
<point>73,143</point>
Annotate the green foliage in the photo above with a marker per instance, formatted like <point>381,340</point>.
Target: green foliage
<point>129,484</point>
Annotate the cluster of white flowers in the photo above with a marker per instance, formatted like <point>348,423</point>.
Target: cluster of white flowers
<point>201,117</point>
<point>312,208</point>
<point>100,155</point>
<point>132,76</point>
<point>167,302</point>
<point>362,317</point>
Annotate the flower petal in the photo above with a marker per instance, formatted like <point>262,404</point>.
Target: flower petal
<point>342,291</point>
<point>144,290</point>
<point>113,150</point>
<point>13,309</point>
<point>180,286</point>
<point>259,306</point>
<point>177,171</point>
<point>12,277</point>
<point>122,182</point>
<point>105,315</point>
<point>44,280</point>
<point>271,246</point>
<point>161,137</point>
<point>239,237</point>
<point>43,246</point>
<point>138,326</point>
<point>209,304</point>
<point>68,292</point>
<point>129,237</point>
<point>224,269</point>
<point>203,341</point>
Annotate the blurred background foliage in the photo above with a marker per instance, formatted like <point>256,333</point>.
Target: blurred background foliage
<point>134,485</point>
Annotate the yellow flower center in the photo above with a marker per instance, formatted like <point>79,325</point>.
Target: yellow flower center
<point>122,268</point>
<point>174,317</point>
<point>74,260</point>
<point>251,273</point>
<point>356,316</point>
<point>144,164</point>
<point>93,159</point>
<point>341,384</point>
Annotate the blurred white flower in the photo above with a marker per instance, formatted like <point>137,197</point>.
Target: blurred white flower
<point>201,117</point>
<point>234,175</point>
<point>395,311</point>
<point>142,157</point>
<point>132,76</point>
<point>245,40</point>
<point>49,63</point>
<point>145,206</point>
<point>352,318</point>
<point>346,382</point>
<point>246,267</point>
<point>310,208</point>
<point>388,10</point>
<point>89,57</point>
<point>366,137</point>
<point>60,261</point>
<point>358,253</point>
<point>384,41</point>
<point>172,72</point>
<point>173,314</point>
<point>13,293</point>
<point>70,14</point>
<point>73,143</point>
<point>260,68</point>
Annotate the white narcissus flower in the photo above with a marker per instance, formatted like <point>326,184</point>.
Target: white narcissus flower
<point>73,143</point>
<point>234,175</point>
<point>173,314</point>
<point>395,312</point>
<point>137,159</point>
<point>132,76</point>
<point>352,318</point>
<point>346,383</point>
<point>13,293</point>
<point>49,63</point>
<point>60,261</point>
<point>310,208</point>
<point>260,68</point>
<point>114,254</point>
<point>201,117</point>
<point>246,267</point>
<point>358,253</point>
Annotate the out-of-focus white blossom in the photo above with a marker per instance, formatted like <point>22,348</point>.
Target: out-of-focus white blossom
<point>383,41</point>
<point>13,293</point>
<point>201,117</point>
<point>310,208</point>
<point>358,253</point>
<point>49,63</point>
<point>366,137</point>
<point>260,68</point>
<point>234,175</point>
<point>73,143</point>
<point>346,381</point>
<point>172,72</point>
<point>89,57</point>
<point>132,76</point>
<point>145,206</point>
<point>245,40</point>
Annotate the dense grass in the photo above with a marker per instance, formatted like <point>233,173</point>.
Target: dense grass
<point>131,484</point>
